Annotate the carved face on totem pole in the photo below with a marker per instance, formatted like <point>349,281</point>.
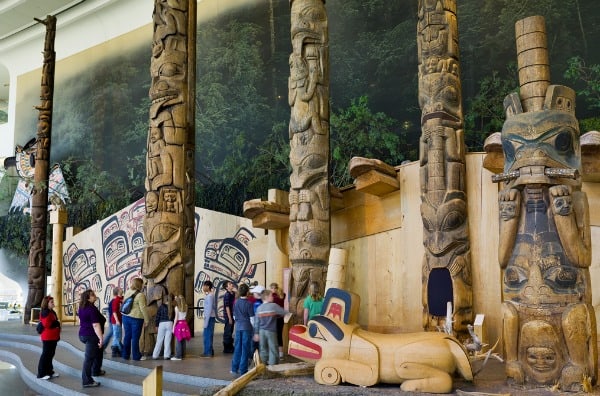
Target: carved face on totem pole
<point>544,246</point>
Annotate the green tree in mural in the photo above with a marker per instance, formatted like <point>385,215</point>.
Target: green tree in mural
<point>486,109</point>
<point>587,79</point>
<point>358,131</point>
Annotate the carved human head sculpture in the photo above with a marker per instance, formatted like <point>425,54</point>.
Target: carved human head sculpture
<point>541,349</point>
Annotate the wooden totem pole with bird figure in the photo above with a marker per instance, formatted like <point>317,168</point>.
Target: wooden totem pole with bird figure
<point>549,324</point>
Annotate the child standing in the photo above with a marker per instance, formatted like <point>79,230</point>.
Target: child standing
<point>164,327</point>
<point>209,319</point>
<point>266,328</point>
<point>181,329</point>
<point>242,312</point>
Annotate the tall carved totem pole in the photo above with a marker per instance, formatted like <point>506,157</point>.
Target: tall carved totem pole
<point>36,273</point>
<point>169,222</point>
<point>549,323</point>
<point>447,263</point>
<point>308,95</point>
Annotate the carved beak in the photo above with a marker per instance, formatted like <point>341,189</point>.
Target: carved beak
<point>301,347</point>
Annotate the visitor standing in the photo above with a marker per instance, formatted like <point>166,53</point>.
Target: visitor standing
<point>265,330</point>
<point>114,327</point>
<point>134,321</point>
<point>313,303</point>
<point>209,319</point>
<point>164,327</point>
<point>279,299</point>
<point>50,337</point>
<point>242,312</point>
<point>257,301</point>
<point>91,323</point>
<point>181,329</point>
<point>228,299</point>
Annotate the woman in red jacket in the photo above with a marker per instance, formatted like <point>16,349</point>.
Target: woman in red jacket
<point>50,336</point>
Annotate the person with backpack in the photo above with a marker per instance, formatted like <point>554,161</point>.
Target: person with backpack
<point>135,317</point>
<point>115,328</point>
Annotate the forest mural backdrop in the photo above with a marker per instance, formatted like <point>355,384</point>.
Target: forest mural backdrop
<point>101,95</point>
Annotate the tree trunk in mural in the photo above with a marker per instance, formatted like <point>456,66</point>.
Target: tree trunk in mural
<point>308,90</point>
<point>36,273</point>
<point>549,322</point>
<point>169,222</point>
<point>447,263</point>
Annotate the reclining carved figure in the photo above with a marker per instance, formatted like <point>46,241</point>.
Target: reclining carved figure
<point>343,352</point>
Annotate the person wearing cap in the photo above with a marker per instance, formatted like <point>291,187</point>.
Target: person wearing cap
<point>257,294</point>
<point>50,337</point>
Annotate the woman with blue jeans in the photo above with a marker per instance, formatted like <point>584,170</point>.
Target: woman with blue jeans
<point>209,319</point>
<point>242,312</point>
<point>134,321</point>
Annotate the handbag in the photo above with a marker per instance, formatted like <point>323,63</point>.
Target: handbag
<point>39,328</point>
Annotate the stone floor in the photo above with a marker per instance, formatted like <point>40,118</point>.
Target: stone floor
<point>20,345</point>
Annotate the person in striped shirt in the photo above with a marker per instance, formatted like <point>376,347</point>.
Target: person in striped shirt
<point>265,329</point>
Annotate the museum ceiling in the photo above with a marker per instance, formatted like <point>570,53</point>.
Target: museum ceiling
<point>17,16</point>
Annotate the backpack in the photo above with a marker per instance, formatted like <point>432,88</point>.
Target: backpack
<point>128,304</point>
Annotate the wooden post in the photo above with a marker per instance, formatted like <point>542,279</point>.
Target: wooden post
<point>238,384</point>
<point>152,384</point>
<point>58,219</point>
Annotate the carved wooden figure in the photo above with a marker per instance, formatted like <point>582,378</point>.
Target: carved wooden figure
<point>447,263</point>
<point>548,320</point>
<point>169,222</point>
<point>343,352</point>
<point>308,94</point>
<point>36,272</point>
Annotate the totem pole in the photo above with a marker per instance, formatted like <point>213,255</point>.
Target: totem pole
<point>446,266</point>
<point>169,222</point>
<point>36,273</point>
<point>308,95</point>
<point>549,323</point>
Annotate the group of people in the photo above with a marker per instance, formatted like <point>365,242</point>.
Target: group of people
<point>254,314</point>
<point>125,330</point>
<point>258,314</point>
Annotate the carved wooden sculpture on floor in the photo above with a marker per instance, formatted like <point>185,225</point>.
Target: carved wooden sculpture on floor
<point>549,322</point>
<point>308,86</point>
<point>169,221</point>
<point>447,263</point>
<point>36,272</point>
<point>343,352</point>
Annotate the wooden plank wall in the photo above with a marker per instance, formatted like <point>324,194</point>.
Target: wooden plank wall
<point>384,240</point>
